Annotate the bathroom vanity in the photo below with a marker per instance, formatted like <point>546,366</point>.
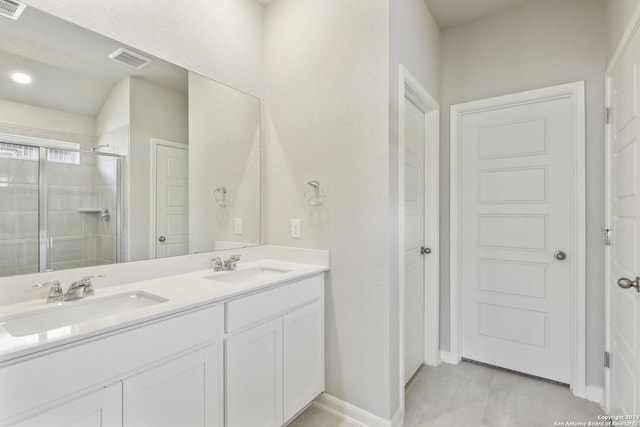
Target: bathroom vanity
<point>239,349</point>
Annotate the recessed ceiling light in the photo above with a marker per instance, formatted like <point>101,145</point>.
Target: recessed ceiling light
<point>21,78</point>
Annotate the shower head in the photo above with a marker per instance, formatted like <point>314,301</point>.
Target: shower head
<point>100,146</point>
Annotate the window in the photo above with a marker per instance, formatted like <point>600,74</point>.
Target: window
<point>55,152</point>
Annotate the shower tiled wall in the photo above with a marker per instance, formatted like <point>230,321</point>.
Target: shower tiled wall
<point>78,237</point>
<point>18,216</point>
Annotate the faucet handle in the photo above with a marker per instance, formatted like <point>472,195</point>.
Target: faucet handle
<point>55,293</point>
<point>217,263</point>
<point>230,264</point>
<point>54,283</point>
<point>88,286</point>
<point>88,278</point>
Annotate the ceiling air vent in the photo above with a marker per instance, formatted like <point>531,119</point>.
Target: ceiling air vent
<point>11,9</point>
<point>128,57</point>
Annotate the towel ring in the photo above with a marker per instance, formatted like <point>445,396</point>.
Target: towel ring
<point>316,196</point>
<point>220,196</point>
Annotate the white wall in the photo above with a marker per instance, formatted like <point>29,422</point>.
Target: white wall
<point>618,14</point>
<point>116,110</point>
<point>224,151</point>
<point>326,96</point>
<point>26,118</point>
<point>414,41</point>
<point>221,39</point>
<point>533,45</point>
<point>156,112</point>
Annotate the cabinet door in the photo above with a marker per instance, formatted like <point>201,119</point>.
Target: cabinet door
<point>303,357</point>
<point>102,408</point>
<point>182,392</point>
<point>254,376</point>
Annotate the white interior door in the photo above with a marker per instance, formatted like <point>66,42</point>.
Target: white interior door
<point>414,218</point>
<point>623,218</point>
<point>172,204</point>
<point>515,243</point>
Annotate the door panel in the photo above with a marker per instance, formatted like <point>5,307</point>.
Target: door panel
<point>303,364</point>
<point>102,408</point>
<point>515,212</point>
<point>254,377</point>
<point>172,204</point>
<point>623,216</point>
<point>414,140</point>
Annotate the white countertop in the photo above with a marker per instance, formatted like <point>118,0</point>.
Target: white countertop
<point>183,291</point>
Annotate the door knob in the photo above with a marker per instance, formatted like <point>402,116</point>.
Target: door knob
<point>625,283</point>
<point>162,239</point>
<point>425,251</point>
<point>560,255</point>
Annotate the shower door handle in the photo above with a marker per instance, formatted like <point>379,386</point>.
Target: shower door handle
<point>161,239</point>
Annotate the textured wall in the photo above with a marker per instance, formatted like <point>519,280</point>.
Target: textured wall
<point>537,44</point>
<point>326,90</point>
<point>221,39</point>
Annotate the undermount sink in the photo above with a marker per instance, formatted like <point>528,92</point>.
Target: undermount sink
<point>74,312</point>
<point>248,274</point>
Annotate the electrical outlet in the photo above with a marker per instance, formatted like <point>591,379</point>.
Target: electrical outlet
<point>295,228</point>
<point>238,226</point>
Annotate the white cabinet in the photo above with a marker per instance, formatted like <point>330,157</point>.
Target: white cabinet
<point>303,357</point>
<point>102,408</point>
<point>182,392</point>
<point>274,366</point>
<point>167,373</point>
<point>254,361</point>
<point>254,376</point>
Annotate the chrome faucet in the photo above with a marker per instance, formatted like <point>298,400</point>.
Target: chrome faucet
<point>230,264</point>
<point>77,290</point>
<point>55,293</point>
<point>217,263</point>
<point>80,288</point>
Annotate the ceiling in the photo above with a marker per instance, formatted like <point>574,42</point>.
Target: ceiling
<point>70,66</point>
<point>451,13</point>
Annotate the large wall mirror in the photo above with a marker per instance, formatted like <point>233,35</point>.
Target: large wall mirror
<point>108,154</point>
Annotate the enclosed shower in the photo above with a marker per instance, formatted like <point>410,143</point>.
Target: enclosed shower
<point>60,206</point>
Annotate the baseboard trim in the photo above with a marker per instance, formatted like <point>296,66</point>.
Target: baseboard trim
<point>355,415</point>
<point>447,357</point>
<point>594,394</point>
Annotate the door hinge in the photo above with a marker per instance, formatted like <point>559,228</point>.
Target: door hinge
<point>607,237</point>
<point>607,115</point>
<point>607,359</point>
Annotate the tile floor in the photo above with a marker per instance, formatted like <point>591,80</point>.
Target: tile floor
<point>473,395</point>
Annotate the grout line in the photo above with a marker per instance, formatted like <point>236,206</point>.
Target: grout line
<point>522,374</point>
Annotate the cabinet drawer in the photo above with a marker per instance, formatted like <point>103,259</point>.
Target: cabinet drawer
<point>247,310</point>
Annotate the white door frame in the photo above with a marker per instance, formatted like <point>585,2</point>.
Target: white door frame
<point>152,194</point>
<point>575,92</point>
<point>632,28</point>
<point>411,88</point>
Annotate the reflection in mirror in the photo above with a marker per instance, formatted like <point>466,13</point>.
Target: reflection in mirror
<point>224,153</point>
<point>110,159</point>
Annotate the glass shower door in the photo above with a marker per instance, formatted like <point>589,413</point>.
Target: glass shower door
<point>18,209</point>
<point>82,205</point>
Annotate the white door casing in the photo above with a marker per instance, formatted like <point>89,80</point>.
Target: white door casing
<point>622,379</point>
<point>414,263</point>
<point>426,188</point>
<point>169,199</point>
<point>517,197</point>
